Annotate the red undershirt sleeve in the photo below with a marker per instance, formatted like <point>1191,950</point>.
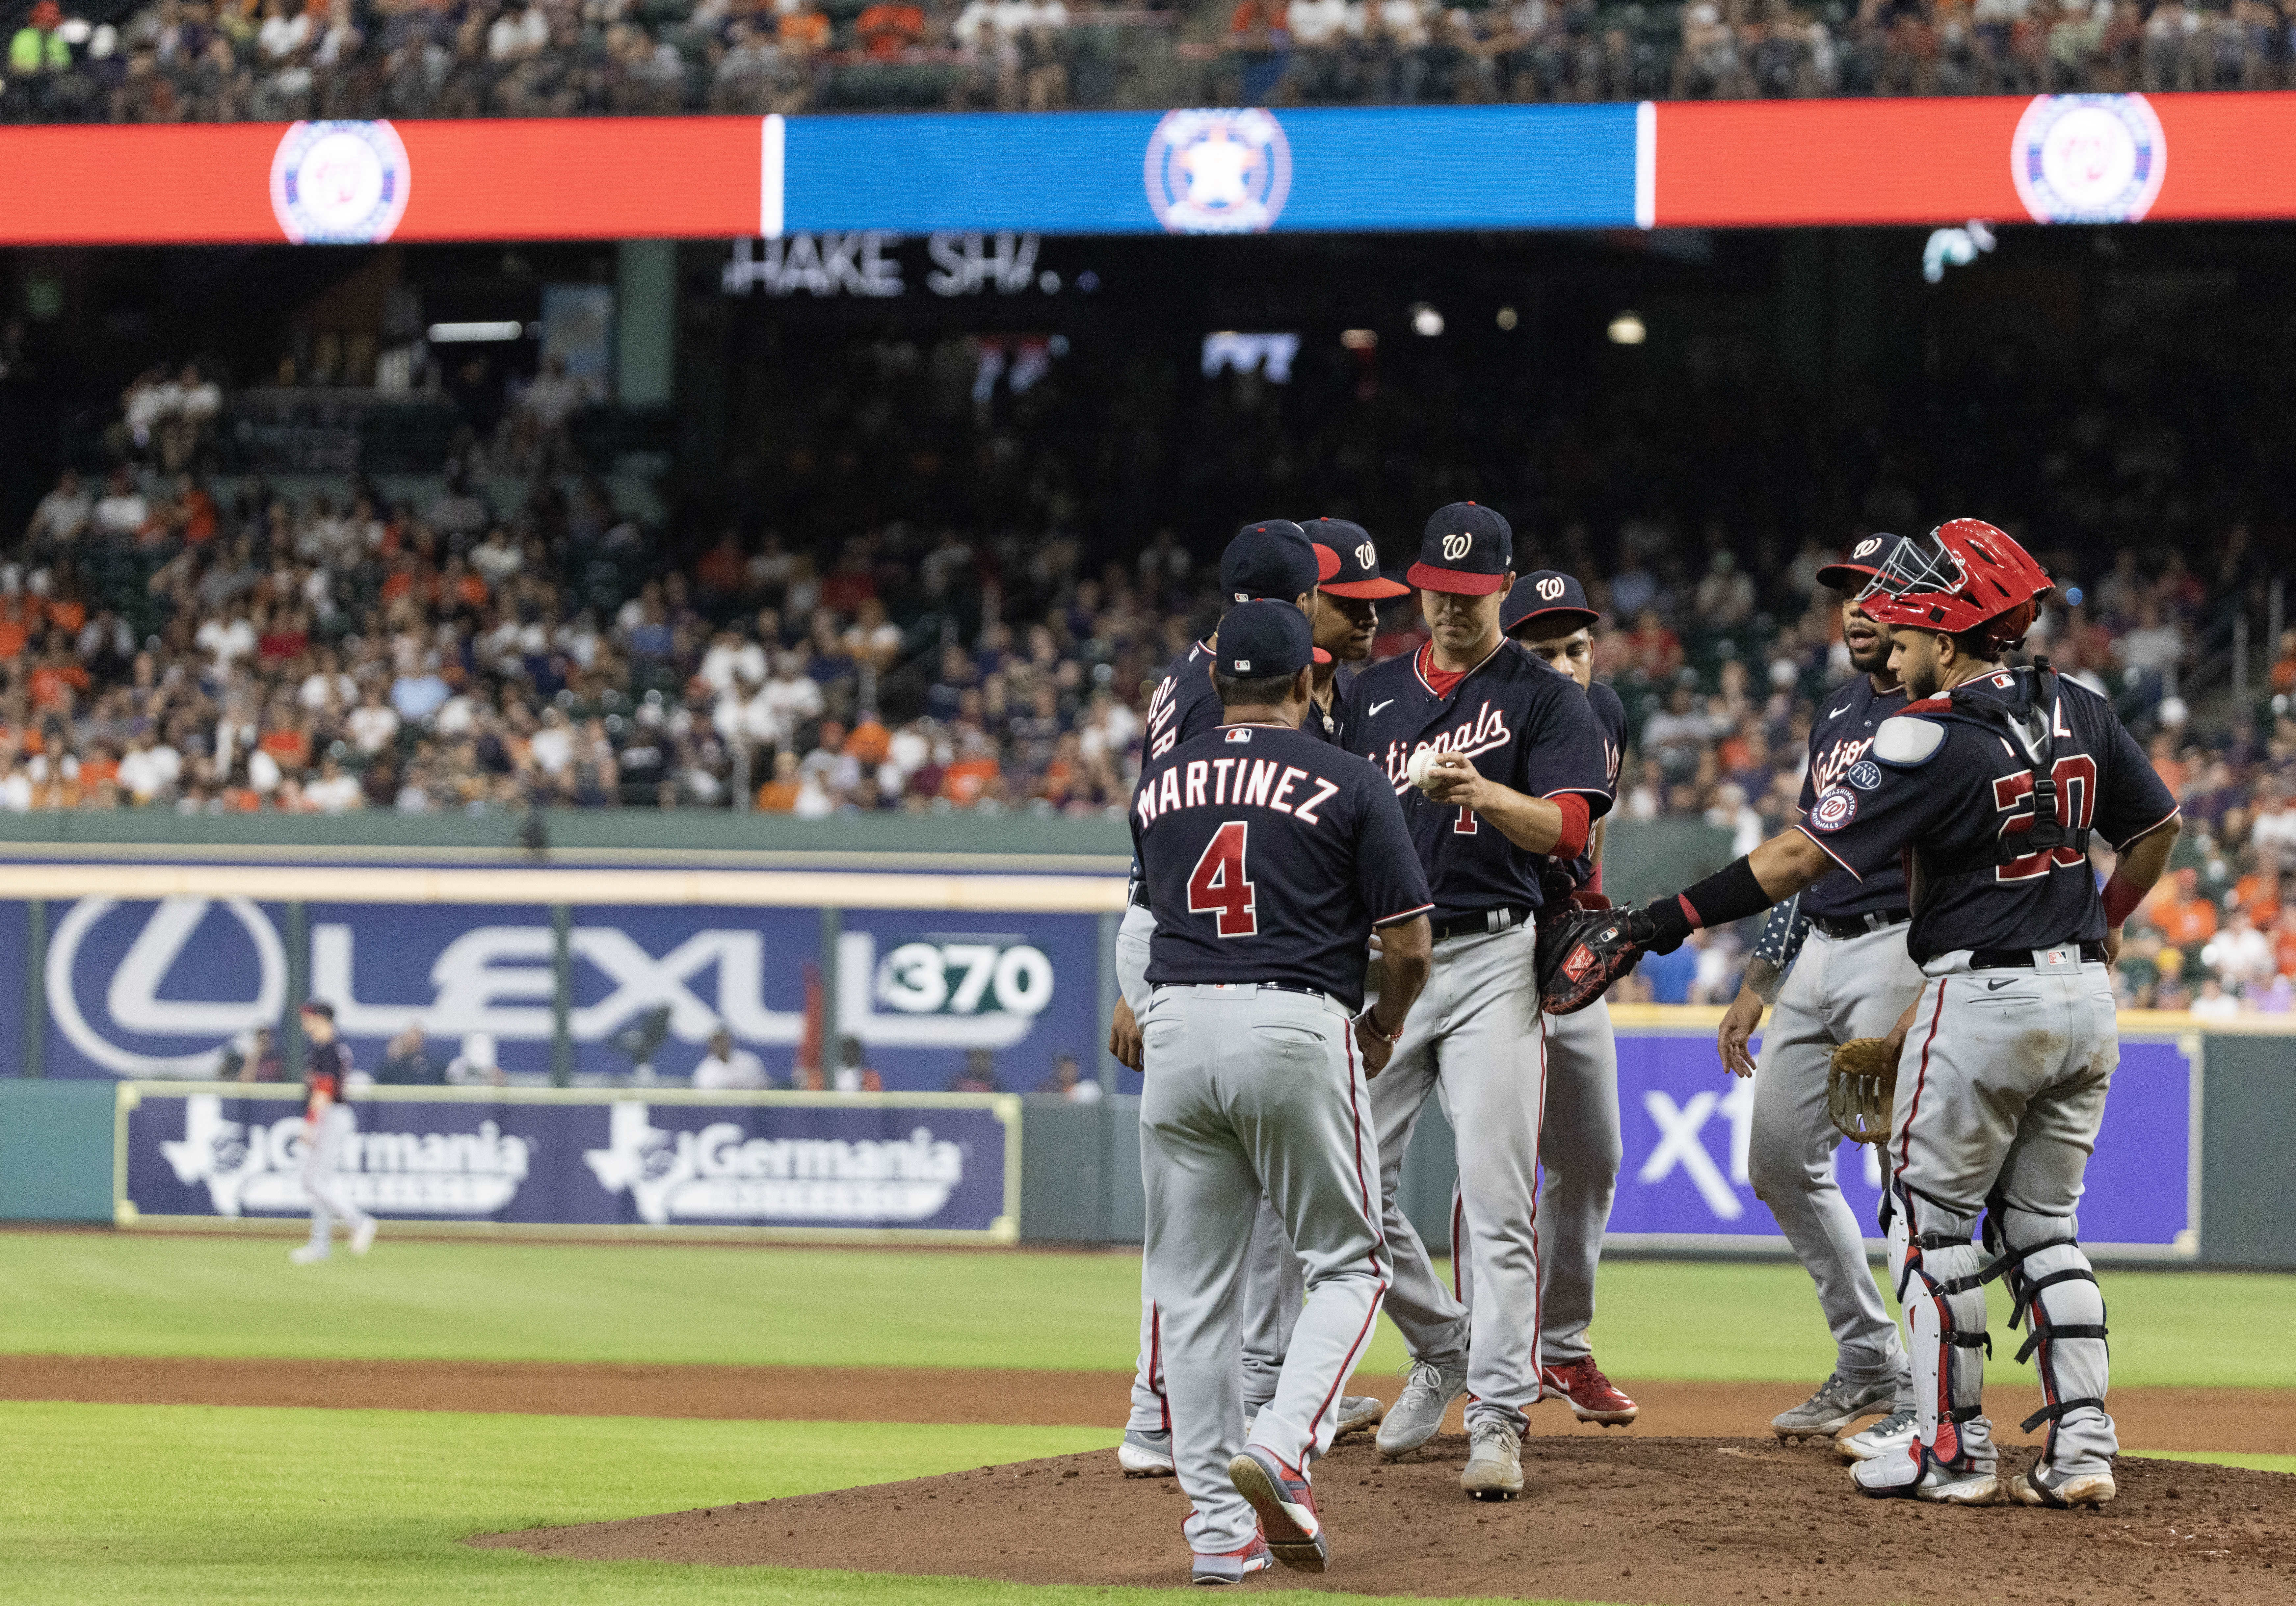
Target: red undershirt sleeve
<point>1573,842</point>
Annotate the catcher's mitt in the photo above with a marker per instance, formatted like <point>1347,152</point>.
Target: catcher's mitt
<point>1580,952</point>
<point>1860,1083</point>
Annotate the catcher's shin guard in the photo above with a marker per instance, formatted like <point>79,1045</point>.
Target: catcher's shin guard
<point>1940,1283</point>
<point>2055,1294</point>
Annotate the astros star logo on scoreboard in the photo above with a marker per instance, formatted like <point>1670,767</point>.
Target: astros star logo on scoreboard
<point>1218,171</point>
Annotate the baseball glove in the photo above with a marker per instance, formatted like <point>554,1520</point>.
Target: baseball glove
<point>1860,1082</point>
<point>1580,952</point>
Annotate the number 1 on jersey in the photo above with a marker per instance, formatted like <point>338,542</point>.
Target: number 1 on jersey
<point>1219,885</point>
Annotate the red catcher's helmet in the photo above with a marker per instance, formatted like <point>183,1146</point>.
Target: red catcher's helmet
<point>1962,575</point>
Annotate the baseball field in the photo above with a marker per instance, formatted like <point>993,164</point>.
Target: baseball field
<point>192,1419</point>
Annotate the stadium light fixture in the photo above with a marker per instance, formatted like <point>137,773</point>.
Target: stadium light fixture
<point>1359,340</point>
<point>1425,320</point>
<point>1627,330</point>
<point>1507,319</point>
<point>463,334</point>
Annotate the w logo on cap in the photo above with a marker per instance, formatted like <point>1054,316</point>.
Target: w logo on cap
<point>1367,555</point>
<point>1456,547</point>
<point>1550,589</point>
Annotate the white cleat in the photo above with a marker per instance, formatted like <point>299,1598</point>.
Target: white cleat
<point>1146,1454</point>
<point>1893,1434</point>
<point>310,1254</point>
<point>2085,1488</point>
<point>362,1236</point>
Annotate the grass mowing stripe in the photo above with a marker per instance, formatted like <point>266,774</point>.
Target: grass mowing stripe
<point>98,1293</point>
<point>2254,1464</point>
<point>202,1504</point>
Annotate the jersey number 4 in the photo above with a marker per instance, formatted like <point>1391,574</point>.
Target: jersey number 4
<point>2076,780</point>
<point>1219,884</point>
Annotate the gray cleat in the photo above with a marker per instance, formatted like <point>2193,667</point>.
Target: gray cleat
<point>1146,1454</point>
<point>1358,1411</point>
<point>1493,1462</point>
<point>1894,1434</point>
<point>1838,1402</point>
<point>1415,1416</point>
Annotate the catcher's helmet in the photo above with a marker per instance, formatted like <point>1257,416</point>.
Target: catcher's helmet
<point>1962,575</point>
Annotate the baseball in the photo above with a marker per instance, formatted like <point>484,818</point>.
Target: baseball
<point>1421,767</point>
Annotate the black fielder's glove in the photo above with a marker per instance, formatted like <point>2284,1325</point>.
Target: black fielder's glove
<point>1581,952</point>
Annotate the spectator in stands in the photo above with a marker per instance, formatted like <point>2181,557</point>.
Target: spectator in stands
<point>62,514</point>
<point>728,1067</point>
<point>1261,43</point>
<point>854,1073</point>
<point>1067,1081</point>
<point>406,1060</point>
<point>978,1074</point>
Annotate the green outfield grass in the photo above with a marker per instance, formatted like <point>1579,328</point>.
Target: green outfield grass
<point>189,1504</point>
<point>105,1293</point>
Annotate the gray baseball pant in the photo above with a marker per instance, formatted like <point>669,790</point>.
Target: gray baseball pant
<point>1476,1040</point>
<point>1251,1093</point>
<point>1274,1284</point>
<point>2001,1090</point>
<point>322,1159</point>
<point>1838,988</point>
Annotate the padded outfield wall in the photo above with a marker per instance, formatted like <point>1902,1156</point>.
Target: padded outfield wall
<point>141,962</point>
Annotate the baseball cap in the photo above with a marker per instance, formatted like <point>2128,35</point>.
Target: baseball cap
<point>1265,637</point>
<point>1270,558</point>
<point>315,1006</point>
<point>1352,569</point>
<point>1866,559</point>
<point>1467,550</point>
<point>1557,601</point>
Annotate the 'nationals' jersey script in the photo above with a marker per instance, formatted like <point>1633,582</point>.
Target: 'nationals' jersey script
<point>1839,745</point>
<point>1270,855</point>
<point>1975,790</point>
<point>1524,726</point>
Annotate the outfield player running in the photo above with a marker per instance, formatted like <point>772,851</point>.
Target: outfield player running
<point>1511,770</point>
<point>1271,558</point>
<point>1579,1144</point>
<point>1270,857</point>
<point>328,1128</point>
<point>1993,780</point>
<point>1850,977</point>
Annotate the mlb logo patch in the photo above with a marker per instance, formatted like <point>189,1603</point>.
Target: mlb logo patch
<point>1238,732</point>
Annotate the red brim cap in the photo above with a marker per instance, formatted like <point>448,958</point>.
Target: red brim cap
<point>1327,564</point>
<point>1458,582</point>
<point>1368,588</point>
<point>1852,577</point>
<point>1322,657</point>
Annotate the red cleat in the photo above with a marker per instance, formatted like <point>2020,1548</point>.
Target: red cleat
<point>1592,1396</point>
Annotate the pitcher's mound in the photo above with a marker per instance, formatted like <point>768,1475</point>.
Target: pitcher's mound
<point>1674,1520</point>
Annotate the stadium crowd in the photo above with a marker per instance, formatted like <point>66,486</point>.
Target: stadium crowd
<point>225,61</point>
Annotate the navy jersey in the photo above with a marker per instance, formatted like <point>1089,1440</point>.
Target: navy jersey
<point>1839,743</point>
<point>1972,795</point>
<point>1268,855</point>
<point>1611,716</point>
<point>1523,724</point>
<point>324,1070</point>
<point>1183,706</point>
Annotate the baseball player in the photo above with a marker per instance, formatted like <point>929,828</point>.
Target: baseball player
<point>1992,780</point>
<point>1271,558</point>
<point>1579,1144</point>
<point>1852,978</point>
<point>1270,857</point>
<point>328,1126</point>
<point>1499,762</point>
<point>1345,615</point>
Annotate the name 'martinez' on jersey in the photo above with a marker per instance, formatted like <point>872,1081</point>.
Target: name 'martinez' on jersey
<point>1268,855</point>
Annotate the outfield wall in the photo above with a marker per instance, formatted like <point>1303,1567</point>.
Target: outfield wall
<point>138,976</point>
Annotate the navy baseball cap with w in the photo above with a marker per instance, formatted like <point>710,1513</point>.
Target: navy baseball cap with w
<point>1353,569</point>
<point>1265,637</point>
<point>1272,558</point>
<point>1555,601</point>
<point>1468,550</point>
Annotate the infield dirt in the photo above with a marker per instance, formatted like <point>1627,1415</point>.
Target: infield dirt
<point>2219,1420</point>
<point>1629,1519</point>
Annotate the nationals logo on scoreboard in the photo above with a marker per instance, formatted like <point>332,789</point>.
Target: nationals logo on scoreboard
<point>2088,158</point>
<point>340,182</point>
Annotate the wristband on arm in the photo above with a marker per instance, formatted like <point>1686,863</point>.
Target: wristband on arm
<point>2121,900</point>
<point>1731,893</point>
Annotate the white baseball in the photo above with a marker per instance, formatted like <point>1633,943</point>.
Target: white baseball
<point>1421,767</point>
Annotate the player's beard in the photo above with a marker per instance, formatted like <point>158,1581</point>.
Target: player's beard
<point>1922,680</point>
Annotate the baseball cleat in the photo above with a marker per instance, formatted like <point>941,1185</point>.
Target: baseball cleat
<point>2081,1489</point>
<point>1838,1402</point>
<point>362,1236</point>
<point>1357,1412</point>
<point>1891,1435</point>
<point>1232,1567</point>
<point>1593,1397</point>
<point>1288,1520</point>
<point>1146,1454</point>
<point>1918,1475</point>
<point>1415,1416</point>
<point>310,1254</point>
<point>1493,1462</point>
